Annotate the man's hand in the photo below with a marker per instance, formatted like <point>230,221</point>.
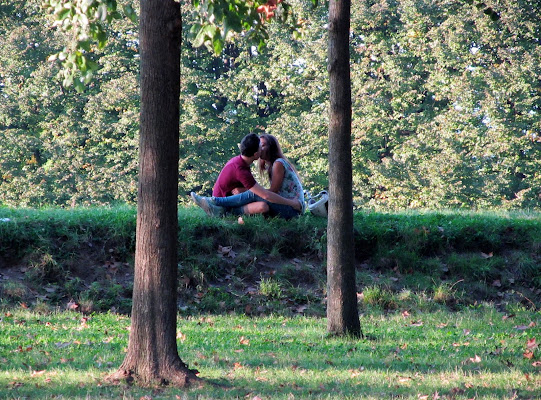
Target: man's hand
<point>298,205</point>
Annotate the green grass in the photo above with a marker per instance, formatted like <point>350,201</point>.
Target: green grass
<point>449,302</point>
<point>476,353</point>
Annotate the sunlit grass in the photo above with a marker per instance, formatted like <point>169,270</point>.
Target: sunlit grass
<point>477,353</point>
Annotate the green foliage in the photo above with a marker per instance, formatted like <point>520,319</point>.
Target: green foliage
<point>221,20</point>
<point>85,21</point>
<point>13,291</point>
<point>270,288</point>
<point>379,297</point>
<point>445,113</point>
<point>59,147</point>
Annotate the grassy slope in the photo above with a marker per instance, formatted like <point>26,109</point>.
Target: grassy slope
<point>448,303</point>
<point>421,259</point>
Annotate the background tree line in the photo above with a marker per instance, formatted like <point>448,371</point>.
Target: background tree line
<point>445,106</point>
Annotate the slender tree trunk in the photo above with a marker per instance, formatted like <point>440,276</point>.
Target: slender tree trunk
<point>342,313</point>
<point>152,356</point>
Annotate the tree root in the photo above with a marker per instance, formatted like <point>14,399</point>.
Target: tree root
<point>178,376</point>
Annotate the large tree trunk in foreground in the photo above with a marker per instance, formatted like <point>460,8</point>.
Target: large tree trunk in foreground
<point>342,313</point>
<point>152,356</point>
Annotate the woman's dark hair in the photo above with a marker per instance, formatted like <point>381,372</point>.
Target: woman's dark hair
<point>272,153</point>
<point>249,145</point>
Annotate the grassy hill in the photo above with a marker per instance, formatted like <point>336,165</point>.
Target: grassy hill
<point>83,259</point>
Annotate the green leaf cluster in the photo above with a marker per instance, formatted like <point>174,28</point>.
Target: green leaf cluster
<point>85,21</point>
<point>446,103</point>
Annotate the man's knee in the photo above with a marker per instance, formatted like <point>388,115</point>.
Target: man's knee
<point>258,207</point>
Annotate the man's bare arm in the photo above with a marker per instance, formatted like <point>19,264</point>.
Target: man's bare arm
<point>275,198</point>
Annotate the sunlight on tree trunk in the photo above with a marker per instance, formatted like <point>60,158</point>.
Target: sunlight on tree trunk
<point>342,314</point>
<point>152,356</point>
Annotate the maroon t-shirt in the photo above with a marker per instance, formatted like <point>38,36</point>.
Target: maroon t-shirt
<point>235,174</point>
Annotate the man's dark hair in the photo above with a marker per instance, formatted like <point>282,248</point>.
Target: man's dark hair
<point>249,145</point>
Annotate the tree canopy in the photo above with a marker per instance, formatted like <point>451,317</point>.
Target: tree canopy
<point>445,105</point>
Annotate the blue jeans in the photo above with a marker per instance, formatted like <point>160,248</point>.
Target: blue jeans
<point>234,204</point>
<point>282,211</point>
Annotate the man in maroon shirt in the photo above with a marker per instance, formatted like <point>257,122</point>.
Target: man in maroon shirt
<point>236,178</point>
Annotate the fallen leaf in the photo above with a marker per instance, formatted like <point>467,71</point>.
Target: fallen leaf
<point>528,354</point>
<point>475,359</point>
<point>237,365</point>
<point>508,316</point>
<point>181,336</point>
<point>536,364</point>
<point>531,344</point>
<point>354,373</point>
<point>244,341</point>
<point>405,313</point>
<point>485,255</point>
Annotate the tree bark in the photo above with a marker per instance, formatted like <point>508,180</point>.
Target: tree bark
<point>152,356</point>
<point>342,313</point>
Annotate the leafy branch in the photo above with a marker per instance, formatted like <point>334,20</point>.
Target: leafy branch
<point>85,20</point>
<point>219,20</point>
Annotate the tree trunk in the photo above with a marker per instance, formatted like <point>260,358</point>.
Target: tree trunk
<point>342,313</point>
<point>152,356</point>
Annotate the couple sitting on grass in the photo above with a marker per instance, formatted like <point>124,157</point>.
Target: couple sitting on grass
<point>237,192</point>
